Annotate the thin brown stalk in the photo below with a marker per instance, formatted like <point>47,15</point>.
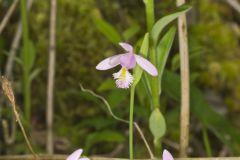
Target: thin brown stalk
<point>184,118</point>
<point>15,46</point>
<point>7,89</point>
<point>51,73</point>
<point>144,140</point>
<point>234,4</point>
<point>9,137</point>
<point>8,15</point>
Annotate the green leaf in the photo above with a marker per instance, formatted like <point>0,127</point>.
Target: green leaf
<point>104,136</point>
<point>97,122</point>
<point>31,54</point>
<point>116,96</point>
<point>107,85</point>
<point>157,124</point>
<point>200,108</point>
<point>34,74</point>
<point>131,31</point>
<point>164,21</point>
<point>143,52</point>
<point>163,50</point>
<point>108,30</point>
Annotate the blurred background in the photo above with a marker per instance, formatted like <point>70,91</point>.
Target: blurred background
<point>81,120</point>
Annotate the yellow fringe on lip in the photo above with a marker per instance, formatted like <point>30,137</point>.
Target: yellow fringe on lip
<point>123,73</point>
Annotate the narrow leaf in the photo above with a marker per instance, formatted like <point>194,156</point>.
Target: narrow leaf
<point>34,74</point>
<point>108,30</point>
<point>163,50</point>
<point>164,21</point>
<point>131,31</point>
<point>104,136</point>
<point>29,60</point>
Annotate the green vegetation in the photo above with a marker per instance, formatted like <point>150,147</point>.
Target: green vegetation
<point>87,32</point>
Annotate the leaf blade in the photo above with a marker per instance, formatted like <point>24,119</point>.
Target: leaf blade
<point>164,21</point>
<point>163,50</point>
<point>157,124</point>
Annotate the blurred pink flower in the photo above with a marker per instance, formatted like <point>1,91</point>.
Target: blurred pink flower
<point>167,155</point>
<point>76,155</point>
<point>128,61</point>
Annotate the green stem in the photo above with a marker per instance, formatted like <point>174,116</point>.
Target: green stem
<point>206,142</point>
<point>154,83</point>
<point>131,122</point>
<point>158,147</point>
<point>25,57</point>
<point>150,14</point>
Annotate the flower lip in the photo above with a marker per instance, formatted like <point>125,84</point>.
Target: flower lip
<point>123,78</point>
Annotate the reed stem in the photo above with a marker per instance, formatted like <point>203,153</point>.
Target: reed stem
<point>185,88</point>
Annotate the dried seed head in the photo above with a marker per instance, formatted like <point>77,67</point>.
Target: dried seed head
<point>7,89</point>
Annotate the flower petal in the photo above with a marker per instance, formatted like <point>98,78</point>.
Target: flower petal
<point>109,62</point>
<point>128,60</point>
<point>126,46</point>
<point>84,159</point>
<point>75,155</point>
<point>146,65</point>
<point>167,155</point>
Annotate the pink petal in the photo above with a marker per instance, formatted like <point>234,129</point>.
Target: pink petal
<point>84,159</point>
<point>167,155</point>
<point>146,65</point>
<point>75,155</point>
<point>128,60</point>
<point>109,62</point>
<point>126,46</point>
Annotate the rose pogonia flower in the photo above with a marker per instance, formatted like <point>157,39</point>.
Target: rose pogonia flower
<point>167,155</point>
<point>128,61</point>
<point>76,155</point>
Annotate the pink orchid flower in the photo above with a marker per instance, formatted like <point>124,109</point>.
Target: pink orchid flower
<point>76,155</point>
<point>167,155</point>
<point>128,61</point>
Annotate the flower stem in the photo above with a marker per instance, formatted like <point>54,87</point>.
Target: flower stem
<point>131,122</point>
<point>25,59</point>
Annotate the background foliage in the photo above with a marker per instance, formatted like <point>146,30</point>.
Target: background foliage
<point>81,120</point>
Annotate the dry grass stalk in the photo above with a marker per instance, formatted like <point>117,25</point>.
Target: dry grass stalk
<point>8,15</point>
<point>7,89</point>
<point>184,118</point>
<point>15,45</point>
<point>51,73</point>
<point>235,4</point>
<point>8,137</point>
